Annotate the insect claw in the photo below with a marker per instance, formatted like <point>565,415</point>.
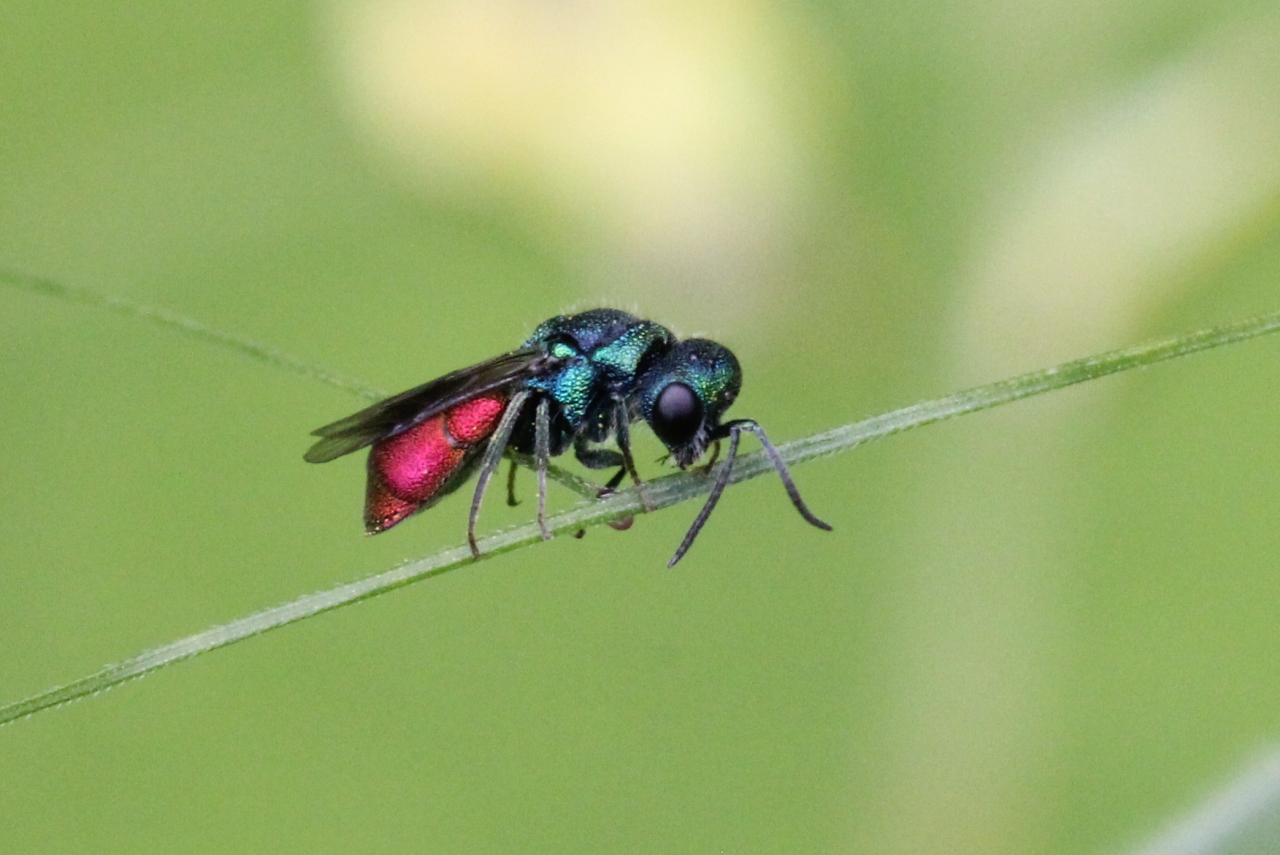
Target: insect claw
<point>642,490</point>
<point>715,455</point>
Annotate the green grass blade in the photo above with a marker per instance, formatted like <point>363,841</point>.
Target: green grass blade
<point>46,287</point>
<point>190,327</point>
<point>1027,385</point>
<point>663,492</point>
<point>1243,817</point>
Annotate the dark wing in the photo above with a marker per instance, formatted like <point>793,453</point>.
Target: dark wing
<point>399,413</point>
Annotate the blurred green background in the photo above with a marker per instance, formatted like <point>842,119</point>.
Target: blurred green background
<point>1047,628</point>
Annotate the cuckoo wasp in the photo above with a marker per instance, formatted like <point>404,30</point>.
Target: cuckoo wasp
<point>579,381</point>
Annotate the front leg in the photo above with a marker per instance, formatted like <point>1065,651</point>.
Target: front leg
<point>600,458</point>
<point>603,458</point>
<point>622,432</point>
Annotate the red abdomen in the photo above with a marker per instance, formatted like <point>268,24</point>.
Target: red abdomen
<point>412,470</point>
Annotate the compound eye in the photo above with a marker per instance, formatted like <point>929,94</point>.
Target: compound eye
<point>677,415</point>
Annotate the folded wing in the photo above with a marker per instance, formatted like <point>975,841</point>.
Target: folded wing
<point>398,414</point>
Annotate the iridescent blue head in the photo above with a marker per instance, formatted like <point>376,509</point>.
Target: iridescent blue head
<point>599,354</point>
<point>684,393</point>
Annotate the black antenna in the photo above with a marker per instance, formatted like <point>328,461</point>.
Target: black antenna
<point>734,431</point>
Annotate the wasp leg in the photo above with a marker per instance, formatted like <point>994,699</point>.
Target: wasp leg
<point>492,459</point>
<point>581,486</point>
<point>722,479</point>
<point>734,430</point>
<point>512,501</point>
<point>541,456</point>
<point>620,428</point>
<point>603,458</point>
<point>715,455</point>
<point>780,465</point>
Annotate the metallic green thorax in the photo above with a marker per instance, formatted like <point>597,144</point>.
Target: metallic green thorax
<point>603,351</point>
<point>614,366</point>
